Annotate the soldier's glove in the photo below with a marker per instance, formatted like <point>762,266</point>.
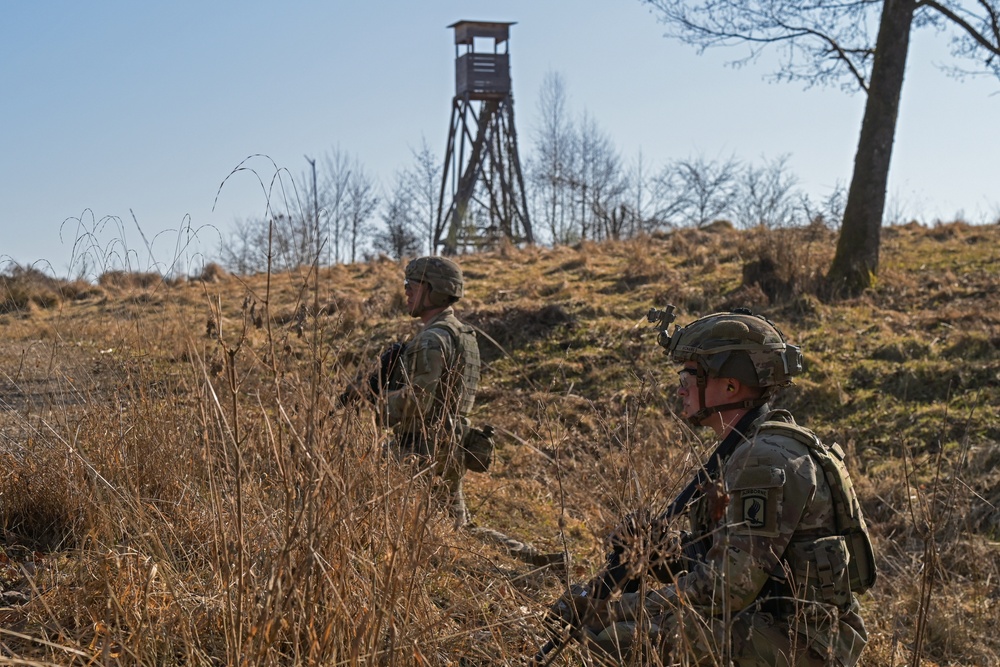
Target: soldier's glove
<point>677,553</point>
<point>578,609</point>
<point>350,396</point>
<point>566,610</point>
<point>646,543</point>
<point>384,379</point>
<point>638,545</point>
<point>378,381</point>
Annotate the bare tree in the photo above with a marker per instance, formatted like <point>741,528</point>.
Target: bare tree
<point>639,195</point>
<point>422,182</point>
<point>598,184</point>
<point>697,190</point>
<point>669,199</point>
<point>830,210</point>
<point>294,240</point>
<point>328,212</point>
<point>766,195</point>
<point>398,238</point>
<point>333,193</point>
<point>281,242</point>
<point>360,203</point>
<point>614,220</point>
<point>554,158</point>
<point>245,250</point>
<point>862,42</point>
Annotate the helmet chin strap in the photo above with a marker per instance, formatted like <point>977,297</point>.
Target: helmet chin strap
<point>699,417</point>
<point>426,303</point>
<point>705,412</point>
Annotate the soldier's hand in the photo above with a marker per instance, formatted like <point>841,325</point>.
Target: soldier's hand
<point>350,396</point>
<point>578,609</point>
<point>565,610</point>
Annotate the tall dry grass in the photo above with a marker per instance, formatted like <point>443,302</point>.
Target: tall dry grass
<point>230,516</point>
<point>229,513</point>
<point>178,486</point>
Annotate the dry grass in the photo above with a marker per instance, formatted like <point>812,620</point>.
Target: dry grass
<point>177,485</point>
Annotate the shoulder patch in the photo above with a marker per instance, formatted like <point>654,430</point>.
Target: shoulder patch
<point>754,510</point>
<point>756,499</point>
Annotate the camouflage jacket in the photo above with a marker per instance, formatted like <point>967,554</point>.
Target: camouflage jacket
<point>440,375</point>
<point>764,517</point>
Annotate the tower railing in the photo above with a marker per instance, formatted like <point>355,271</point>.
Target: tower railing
<point>482,74</point>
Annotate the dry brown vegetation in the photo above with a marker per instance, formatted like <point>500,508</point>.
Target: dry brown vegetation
<point>178,486</point>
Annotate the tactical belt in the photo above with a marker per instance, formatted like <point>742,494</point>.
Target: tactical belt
<point>778,599</point>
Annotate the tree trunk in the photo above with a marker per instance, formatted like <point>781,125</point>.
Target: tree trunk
<point>855,263</point>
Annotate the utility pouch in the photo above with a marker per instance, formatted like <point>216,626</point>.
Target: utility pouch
<point>821,565</point>
<point>477,447</point>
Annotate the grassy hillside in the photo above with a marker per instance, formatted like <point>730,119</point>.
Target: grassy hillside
<point>178,484</point>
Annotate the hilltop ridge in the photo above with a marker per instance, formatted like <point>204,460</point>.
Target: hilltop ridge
<point>185,487</point>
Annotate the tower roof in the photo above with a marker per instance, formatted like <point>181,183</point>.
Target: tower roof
<point>466,31</point>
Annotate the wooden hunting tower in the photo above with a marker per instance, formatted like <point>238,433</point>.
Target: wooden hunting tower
<point>482,188</point>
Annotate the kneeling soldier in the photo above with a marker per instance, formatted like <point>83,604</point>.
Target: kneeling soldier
<point>781,543</point>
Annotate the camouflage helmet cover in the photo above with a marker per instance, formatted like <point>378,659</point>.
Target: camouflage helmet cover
<point>737,344</point>
<point>443,275</point>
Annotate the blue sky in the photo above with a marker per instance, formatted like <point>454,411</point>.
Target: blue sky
<point>135,112</point>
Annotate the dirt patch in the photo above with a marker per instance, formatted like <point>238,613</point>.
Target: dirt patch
<point>514,327</point>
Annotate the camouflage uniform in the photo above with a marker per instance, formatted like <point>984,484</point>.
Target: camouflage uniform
<point>777,527</point>
<point>440,375</point>
<point>761,593</point>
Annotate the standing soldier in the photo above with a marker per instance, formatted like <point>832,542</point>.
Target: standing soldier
<point>778,547</point>
<point>437,376</point>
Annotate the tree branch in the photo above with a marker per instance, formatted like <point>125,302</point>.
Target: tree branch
<point>756,27</point>
<point>842,54</point>
<point>966,26</point>
<point>994,15</point>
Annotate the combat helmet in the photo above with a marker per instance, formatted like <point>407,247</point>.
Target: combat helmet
<point>737,344</point>
<point>443,275</point>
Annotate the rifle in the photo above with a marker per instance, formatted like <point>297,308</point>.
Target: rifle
<point>384,378</point>
<point>662,552</point>
<point>671,553</point>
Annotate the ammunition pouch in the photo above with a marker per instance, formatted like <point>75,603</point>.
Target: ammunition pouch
<point>477,448</point>
<point>818,570</point>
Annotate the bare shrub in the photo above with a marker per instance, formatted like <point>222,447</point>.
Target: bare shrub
<point>514,326</point>
<point>785,263</point>
<point>129,279</point>
<point>22,288</point>
<point>212,273</point>
<point>250,510</point>
<point>42,498</point>
<point>747,296</point>
<point>644,265</point>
